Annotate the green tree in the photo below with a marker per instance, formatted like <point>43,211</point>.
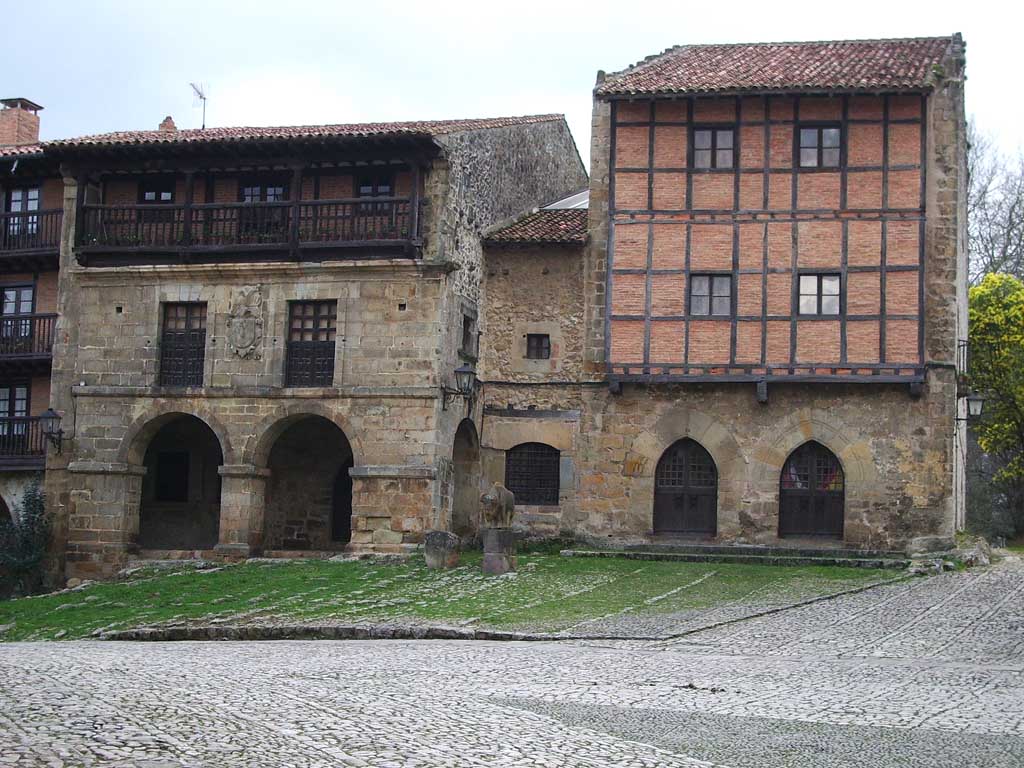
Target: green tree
<point>997,371</point>
<point>23,544</point>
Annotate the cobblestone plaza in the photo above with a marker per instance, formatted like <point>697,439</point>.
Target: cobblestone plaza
<point>921,672</point>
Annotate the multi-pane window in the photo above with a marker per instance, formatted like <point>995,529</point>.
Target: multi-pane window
<point>376,185</point>
<point>156,192</point>
<point>711,295</point>
<point>263,223</point>
<point>819,146</point>
<point>183,345</point>
<point>16,303</point>
<point>531,473</point>
<point>819,295</point>
<point>312,327</point>
<point>538,346</point>
<point>24,201</point>
<point>14,426</point>
<point>713,148</point>
<point>264,193</point>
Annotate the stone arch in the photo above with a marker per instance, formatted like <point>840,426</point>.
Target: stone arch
<point>812,493</point>
<point>179,499</point>
<point>308,495</point>
<point>465,489</point>
<point>686,491</point>
<point>258,445</point>
<point>142,430</point>
<point>681,423</point>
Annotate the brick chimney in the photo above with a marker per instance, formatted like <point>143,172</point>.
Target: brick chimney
<point>19,121</point>
<point>167,124</point>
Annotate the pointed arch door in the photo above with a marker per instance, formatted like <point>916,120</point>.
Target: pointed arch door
<point>812,493</point>
<point>686,491</point>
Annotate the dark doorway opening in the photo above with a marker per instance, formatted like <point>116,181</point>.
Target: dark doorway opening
<point>465,480</point>
<point>686,491</point>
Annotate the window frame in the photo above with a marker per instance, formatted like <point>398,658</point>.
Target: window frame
<point>714,128</point>
<point>316,348</point>
<point>194,348</point>
<point>819,127</point>
<point>158,185</point>
<point>469,340</point>
<point>27,223</point>
<point>819,276</point>
<point>540,343</point>
<point>711,296</point>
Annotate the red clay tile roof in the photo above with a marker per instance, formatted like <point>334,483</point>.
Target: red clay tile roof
<point>559,226</point>
<point>20,150</point>
<point>425,128</point>
<point>843,65</point>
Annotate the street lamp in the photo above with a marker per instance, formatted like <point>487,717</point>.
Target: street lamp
<point>50,422</point>
<point>465,385</point>
<point>975,404</point>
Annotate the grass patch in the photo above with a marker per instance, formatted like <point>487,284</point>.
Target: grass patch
<point>548,593</point>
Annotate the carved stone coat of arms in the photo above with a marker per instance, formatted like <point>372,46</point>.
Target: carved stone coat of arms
<point>245,322</point>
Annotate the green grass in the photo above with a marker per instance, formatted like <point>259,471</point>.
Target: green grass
<point>548,593</point>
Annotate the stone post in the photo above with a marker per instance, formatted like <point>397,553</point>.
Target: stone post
<point>242,505</point>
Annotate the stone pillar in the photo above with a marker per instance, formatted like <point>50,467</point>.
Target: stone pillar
<point>392,506</point>
<point>102,517</point>
<point>242,504</point>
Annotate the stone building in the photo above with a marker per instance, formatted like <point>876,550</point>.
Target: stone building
<point>30,226</point>
<point>259,330</point>
<point>758,340</point>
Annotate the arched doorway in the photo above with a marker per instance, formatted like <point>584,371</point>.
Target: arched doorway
<point>180,507</point>
<point>5,513</point>
<point>812,493</point>
<point>309,491</point>
<point>465,480</point>
<point>686,491</point>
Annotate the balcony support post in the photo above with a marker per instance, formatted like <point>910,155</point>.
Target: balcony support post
<point>81,180</point>
<point>414,203</point>
<point>296,196</point>
<point>186,227</point>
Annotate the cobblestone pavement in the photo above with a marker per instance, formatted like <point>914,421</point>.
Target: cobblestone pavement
<point>923,673</point>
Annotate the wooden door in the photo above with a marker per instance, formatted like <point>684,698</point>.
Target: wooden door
<point>812,493</point>
<point>686,491</point>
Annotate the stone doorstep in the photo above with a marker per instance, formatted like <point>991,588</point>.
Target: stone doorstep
<point>762,559</point>
<point>795,547</point>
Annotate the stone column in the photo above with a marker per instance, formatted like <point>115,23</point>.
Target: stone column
<point>392,506</point>
<point>242,504</point>
<point>102,517</point>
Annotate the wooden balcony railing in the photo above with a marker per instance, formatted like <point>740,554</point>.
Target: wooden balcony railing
<point>221,225</point>
<point>21,437</point>
<point>26,335</point>
<point>30,231</point>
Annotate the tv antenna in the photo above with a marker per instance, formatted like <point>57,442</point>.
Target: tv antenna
<point>200,91</point>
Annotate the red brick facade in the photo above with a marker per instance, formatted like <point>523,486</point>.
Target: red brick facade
<point>763,223</point>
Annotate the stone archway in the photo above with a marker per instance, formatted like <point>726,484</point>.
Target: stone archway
<point>180,499</point>
<point>465,480</point>
<point>307,492</point>
<point>686,491</point>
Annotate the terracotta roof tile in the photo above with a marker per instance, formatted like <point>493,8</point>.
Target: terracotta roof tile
<point>558,226</point>
<point>425,128</point>
<point>20,150</point>
<point>843,65</point>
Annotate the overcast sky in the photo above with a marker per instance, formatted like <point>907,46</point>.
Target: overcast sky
<point>108,65</point>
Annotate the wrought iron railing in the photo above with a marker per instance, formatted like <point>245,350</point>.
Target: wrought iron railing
<point>26,335</point>
<point>22,437</point>
<point>30,230</point>
<point>240,224</point>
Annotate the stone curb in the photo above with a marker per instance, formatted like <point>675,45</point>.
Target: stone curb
<point>407,632</point>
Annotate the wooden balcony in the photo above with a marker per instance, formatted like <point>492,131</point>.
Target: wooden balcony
<point>309,230</point>
<point>30,240</point>
<point>22,444</point>
<point>26,343</point>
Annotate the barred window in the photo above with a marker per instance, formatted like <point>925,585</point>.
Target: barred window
<point>312,326</point>
<point>531,473</point>
<point>183,345</point>
<point>538,346</point>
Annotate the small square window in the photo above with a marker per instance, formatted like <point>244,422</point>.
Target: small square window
<point>820,147</point>
<point>538,346</point>
<point>713,148</point>
<point>820,295</point>
<point>711,295</point>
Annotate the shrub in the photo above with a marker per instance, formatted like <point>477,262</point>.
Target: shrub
<point>23,544</point>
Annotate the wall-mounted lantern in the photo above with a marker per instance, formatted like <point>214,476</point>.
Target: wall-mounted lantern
<point>465,385</point>
<point>50,422</point>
